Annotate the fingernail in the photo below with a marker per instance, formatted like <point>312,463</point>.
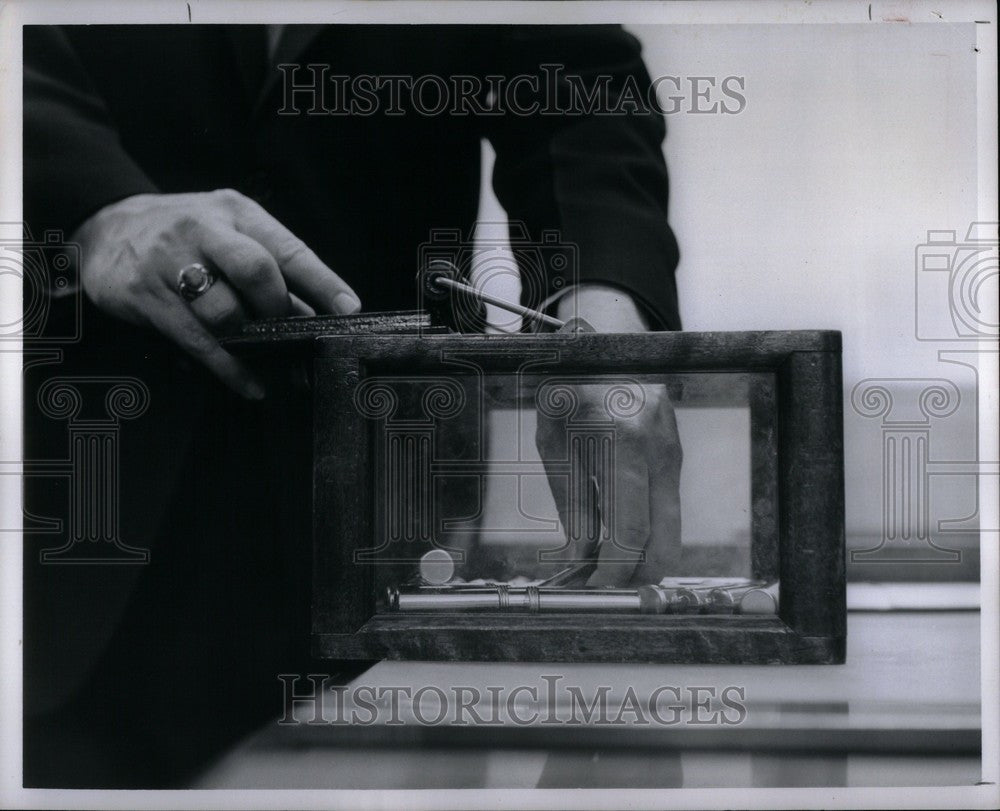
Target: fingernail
<point>253,390</point>
<point>346,303</point>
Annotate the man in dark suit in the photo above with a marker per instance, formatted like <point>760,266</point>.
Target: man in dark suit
<point>207,186</point>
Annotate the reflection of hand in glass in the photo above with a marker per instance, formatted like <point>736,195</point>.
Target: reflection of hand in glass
<point>639,495</point>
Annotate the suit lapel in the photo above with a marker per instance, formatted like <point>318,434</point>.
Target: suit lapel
<point>249,43</point>
<point>293,41</point>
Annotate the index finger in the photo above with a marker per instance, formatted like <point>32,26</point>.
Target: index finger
<point>304,272</point>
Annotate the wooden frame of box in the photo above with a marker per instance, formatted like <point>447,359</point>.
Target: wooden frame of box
<point>798,449</point>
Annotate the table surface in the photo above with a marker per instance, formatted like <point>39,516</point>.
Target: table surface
<point>903,710</point>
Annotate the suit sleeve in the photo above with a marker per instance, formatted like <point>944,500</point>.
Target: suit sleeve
<point>74,163</point>
<point>592,168</point>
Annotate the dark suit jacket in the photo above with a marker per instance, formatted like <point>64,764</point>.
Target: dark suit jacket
<point>114,111</point>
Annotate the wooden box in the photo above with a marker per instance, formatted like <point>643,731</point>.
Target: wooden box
<point>796,426</point>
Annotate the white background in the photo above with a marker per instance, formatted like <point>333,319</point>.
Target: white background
<point>806,209</point>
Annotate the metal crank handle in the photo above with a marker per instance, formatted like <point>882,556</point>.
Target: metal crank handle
<point>440,278</point>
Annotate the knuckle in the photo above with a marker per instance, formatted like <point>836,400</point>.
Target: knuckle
<point>200,343</point>
<point>228,197</point>
<point>194,339</point>
<point>258,270</point>
<point>135,286</point>
<point>186,224</point>
<point>220,313</point>
<point>290,250</point>
<point>187,332</point>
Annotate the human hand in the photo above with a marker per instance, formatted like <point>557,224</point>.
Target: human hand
<point>634,493</point>
<point>133,250</point>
